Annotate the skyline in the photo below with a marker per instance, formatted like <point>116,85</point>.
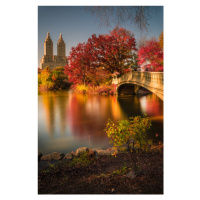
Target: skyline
<point>76,25</point>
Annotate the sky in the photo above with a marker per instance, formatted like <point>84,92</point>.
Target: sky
<point>76,25</point>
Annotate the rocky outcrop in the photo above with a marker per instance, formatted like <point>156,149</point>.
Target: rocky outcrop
<point>81,150</point>
<point>69,156</point>
<point>112,150</point>
<point>91,153</point>
<point>94,149</point>
<point>103,153</point>
<point>53,156</point>
<point>106,152</point>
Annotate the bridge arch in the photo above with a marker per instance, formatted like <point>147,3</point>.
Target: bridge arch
<point>130,88</point>
<point>152,81</point>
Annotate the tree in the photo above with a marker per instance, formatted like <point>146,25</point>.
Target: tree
<point>161,40</point>
<point>101,56</point>
<point>126,45</point>
<point>98,75</point>
<point>119,15</point>
<point>59,79</point>
<point>79,64</point>
<point>52,79</point>
<point>131,134</point>
<point>151,54</point>
<point>135,62</point>
<point>113,51</point>
<point>44,79</point>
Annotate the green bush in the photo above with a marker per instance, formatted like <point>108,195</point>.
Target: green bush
<point>54,79</point>
<point>131,134</point>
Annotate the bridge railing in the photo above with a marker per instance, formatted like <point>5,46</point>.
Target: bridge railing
<point>151,77</point>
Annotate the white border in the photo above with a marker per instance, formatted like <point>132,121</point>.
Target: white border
<point>19,98</point>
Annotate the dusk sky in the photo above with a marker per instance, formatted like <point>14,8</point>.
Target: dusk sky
<point>77,25</point>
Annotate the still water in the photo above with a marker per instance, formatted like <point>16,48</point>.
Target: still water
<point>67,121</point>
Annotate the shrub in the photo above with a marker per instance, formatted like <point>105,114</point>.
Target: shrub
<point>81,88</point>
<point>54,79</point>
<point>108,89</point>
<point>130,133</point>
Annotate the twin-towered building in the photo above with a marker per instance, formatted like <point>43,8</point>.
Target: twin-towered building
<point>49,59</point>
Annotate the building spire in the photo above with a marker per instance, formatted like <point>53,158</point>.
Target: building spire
<point>61,47</point>
<point>60,38</point>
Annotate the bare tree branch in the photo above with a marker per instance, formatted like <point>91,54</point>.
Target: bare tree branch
<point>138,15</point>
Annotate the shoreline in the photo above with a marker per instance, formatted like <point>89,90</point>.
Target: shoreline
<point>141,92</point>
<point>72,154</point>
<point>56,158</point>
<point>104,174</point>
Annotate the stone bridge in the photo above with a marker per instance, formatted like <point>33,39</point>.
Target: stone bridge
<point>133,81</point>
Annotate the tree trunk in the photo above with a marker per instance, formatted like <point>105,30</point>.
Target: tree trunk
<point>133,157</point>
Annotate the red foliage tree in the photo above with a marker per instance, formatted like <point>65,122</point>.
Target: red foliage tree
<point>79,64</point>
<point>152,54</point>
<point>114,51</point>
<point>100,56</point>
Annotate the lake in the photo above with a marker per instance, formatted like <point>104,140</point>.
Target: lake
<point>67,120</point>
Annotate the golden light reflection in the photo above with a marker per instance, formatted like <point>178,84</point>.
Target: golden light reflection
<point>117,112</point>
<point>76,120</point>
<point>150,105</point>
<point>49,108</point>
<point>54,110</point>
<point>143,102</point>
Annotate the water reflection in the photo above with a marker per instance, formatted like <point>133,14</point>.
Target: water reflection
<point>151,105</point>
<point>54,106</point>
<point>68,121</point>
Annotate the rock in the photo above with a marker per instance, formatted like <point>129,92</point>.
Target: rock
<point>106,152</point>
<point>112,150</point>
<point>46,157</point>
<point>53,156</point>
<point>103,152</point>
<point>81,150</point>
<point>68,156</point>
<point>91,153</point>
<point>94,149</point>
<point>57,156</point>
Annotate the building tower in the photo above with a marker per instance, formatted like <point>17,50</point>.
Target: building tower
<point>48,47</point>
<point>50,60</point>
<point>61,47</point>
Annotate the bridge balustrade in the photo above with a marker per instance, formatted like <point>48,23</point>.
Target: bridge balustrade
<point>154,77</point>
<point>153,81</point>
